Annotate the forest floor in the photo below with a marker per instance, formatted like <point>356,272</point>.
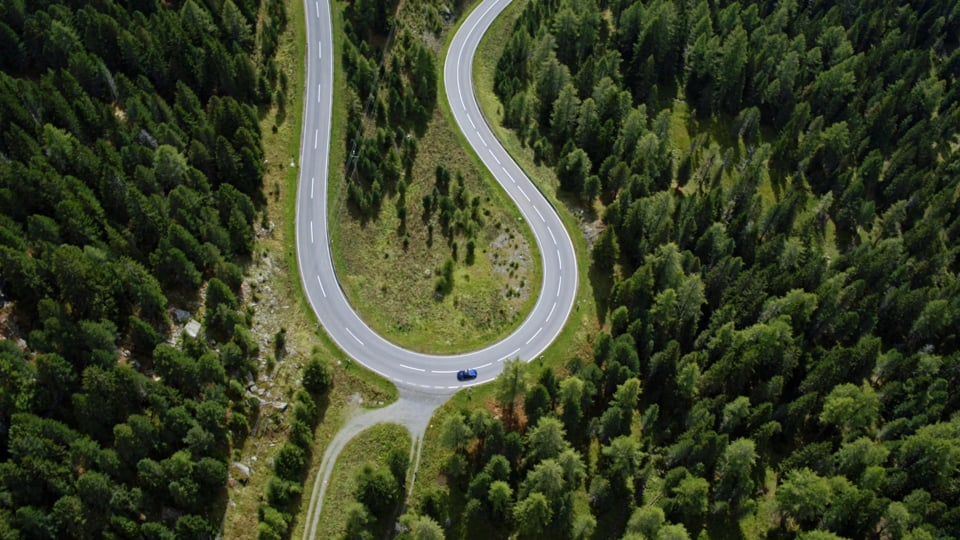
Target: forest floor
<point>389,272</point>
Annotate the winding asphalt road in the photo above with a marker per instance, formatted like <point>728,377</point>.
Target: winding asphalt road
<point>426,373</point>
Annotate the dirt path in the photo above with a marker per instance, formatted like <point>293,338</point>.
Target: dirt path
<point>413,411</point>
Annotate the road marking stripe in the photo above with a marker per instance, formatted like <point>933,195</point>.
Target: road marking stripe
<point>510,176</point>
<point>318,8</point>
<point>320,50</point>
<point>551,312</point>
<point>488,364</point>
<point>318,93</point>
<point>559,282</point>
<point>444,372</point>
<point>353,335</point>
<point>311,231</point>
<point>311,186</point>
<point>321,287</point>
<point>511,355</point>
<point>483,141</point>
<point>535,335</point>
<point>524,193</point>
<point>470,118</point>
<point>467,39</point>
<point>316,137</point>
<point>559,260</point>
<point>495,157</point>
<point>539,214</point>
<point>451,387</point>
<point>549,230</point>
<point>413,368</point>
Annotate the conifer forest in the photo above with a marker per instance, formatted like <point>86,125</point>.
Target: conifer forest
<point>777,185</point>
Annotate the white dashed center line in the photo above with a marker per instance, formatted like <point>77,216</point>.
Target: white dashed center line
<point>354,336</point>
<point>409,367</point>
<point>321,287</point>
<point>535,335</point>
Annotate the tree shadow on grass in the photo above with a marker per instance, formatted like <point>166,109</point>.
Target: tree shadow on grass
<point>602,283</point>
<point>724,526</point>
<point>611,523</point>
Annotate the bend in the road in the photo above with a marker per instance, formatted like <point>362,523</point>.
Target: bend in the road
<point>424,372</point>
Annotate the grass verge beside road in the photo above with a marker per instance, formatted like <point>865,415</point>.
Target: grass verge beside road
<point>275,294</point>
<point>577,336</point>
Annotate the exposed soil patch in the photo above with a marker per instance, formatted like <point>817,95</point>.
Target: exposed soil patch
<point>510,257</point>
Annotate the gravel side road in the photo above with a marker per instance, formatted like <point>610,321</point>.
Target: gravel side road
<point>413,410</point>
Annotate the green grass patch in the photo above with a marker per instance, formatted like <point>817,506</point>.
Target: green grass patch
<point>759,524</point>
<point>371,446</point>
<point>338,127</point>
<point>679,120</point>
<point>389,272</point>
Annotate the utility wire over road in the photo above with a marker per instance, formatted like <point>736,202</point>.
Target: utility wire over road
<point>426,373</point>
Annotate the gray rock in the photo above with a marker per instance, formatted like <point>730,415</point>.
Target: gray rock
<point>243,472</point>
<point>192,328</point>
